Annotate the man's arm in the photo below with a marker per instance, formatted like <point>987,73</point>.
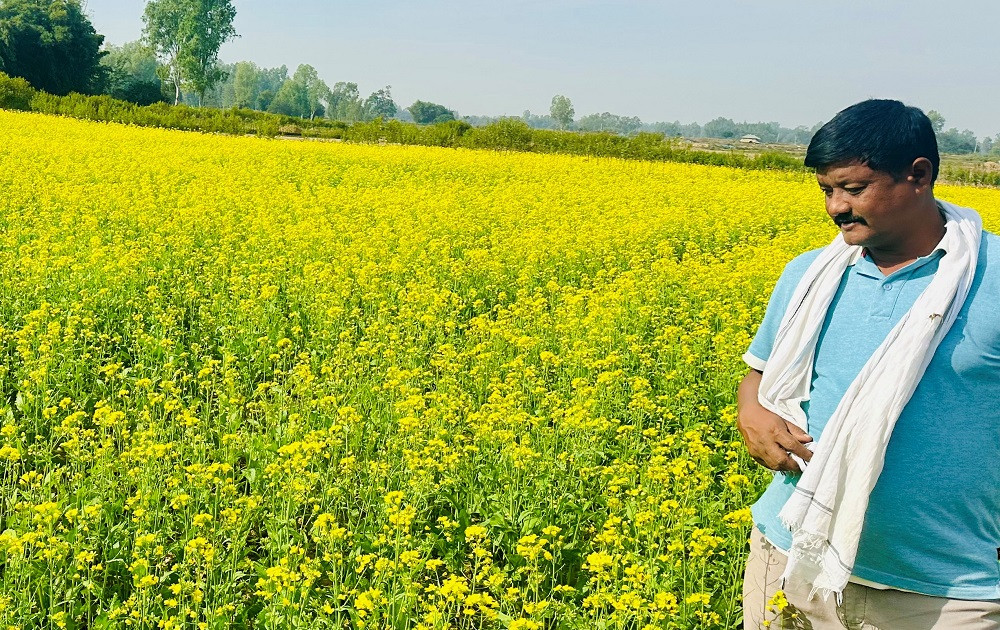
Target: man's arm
<point>768,436</point>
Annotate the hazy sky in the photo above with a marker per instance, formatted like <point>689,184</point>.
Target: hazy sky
<point>792,61</point>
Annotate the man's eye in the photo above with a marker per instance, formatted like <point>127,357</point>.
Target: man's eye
<point>827,191</point>
<point>854,190</point>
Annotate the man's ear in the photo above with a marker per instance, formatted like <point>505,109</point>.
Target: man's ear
<point>921,173</point>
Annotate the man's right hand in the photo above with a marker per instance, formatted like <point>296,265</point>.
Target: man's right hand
<point>770,439</point>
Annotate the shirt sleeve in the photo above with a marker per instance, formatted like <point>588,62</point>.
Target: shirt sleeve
<point>763,342</point>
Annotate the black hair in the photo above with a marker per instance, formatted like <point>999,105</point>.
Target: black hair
<point>884,135</point>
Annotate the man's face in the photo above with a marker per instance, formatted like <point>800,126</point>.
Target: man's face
<point>870,207</point>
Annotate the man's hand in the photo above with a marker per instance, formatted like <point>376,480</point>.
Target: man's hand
<point>770,438</point>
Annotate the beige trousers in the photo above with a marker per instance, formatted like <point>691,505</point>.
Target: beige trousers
<point>863,608</point>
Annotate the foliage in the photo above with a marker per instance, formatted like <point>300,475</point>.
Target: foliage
<point>952,140</point>
<point>676,128</point>
<point>188,34</point>
<point>425,113</point>
<point>345,103</point>
<point>51,44</point>
<point>132,74</point>
<point>955,141</point>
<point>721,128</point>
<point>379,104</point>
<point>132,60</point>
<point>141,92</point>
<point>317,94</point>
<point>624,125</point>
<point>937,120</point>
<point>106,109</point>
<point>725,128</point>
<point>505,134</point>
<point>975,175</point>
<point>246,85</point>
<point>561,111</point>
<point>512,133</point>
<point>15,93</point>
<point>163,20</point>
<point>537,121</point>
<point>291,99</point>
<point>209,24</point>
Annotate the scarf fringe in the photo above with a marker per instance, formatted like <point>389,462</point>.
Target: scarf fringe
<point>810,558</point>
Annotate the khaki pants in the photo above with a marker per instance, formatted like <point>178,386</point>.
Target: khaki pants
<point>863,608</point>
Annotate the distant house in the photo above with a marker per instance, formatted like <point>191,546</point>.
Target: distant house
<point>750,139</point>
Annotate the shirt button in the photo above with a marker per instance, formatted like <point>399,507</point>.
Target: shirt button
<point>887,287</point>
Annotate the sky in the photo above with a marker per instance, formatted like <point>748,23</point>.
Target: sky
<point>796,62</point>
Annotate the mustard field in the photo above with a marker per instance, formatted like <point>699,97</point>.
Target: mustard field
<point>270,384</point>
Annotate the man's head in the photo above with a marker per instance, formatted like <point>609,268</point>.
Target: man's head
<point>876,162</point>
<point>883,135</point>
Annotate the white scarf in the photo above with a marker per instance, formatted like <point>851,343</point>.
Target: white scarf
<point>827,510</point>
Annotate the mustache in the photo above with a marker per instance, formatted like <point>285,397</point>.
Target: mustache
<point>842,219</point>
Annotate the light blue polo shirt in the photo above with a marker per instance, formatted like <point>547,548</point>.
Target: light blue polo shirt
<point>933,522</point>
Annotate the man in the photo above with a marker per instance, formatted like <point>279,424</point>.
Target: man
<point>875,388</point>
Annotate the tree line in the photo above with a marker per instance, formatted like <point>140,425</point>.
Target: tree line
<point>53,45</point>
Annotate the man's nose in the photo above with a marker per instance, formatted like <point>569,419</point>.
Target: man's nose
<point>838,202</point>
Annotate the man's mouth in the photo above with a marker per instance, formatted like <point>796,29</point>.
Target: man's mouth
<point>847,219</point>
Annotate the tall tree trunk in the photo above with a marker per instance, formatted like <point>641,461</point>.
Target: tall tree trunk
<point>177,80</point>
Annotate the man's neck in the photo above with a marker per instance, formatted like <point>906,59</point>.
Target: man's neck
<point>920,243</point>
<point>890,259</point>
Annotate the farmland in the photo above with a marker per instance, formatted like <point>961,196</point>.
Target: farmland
<point>313,385</point>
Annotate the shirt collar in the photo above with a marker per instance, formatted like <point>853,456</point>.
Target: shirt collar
<point>865,266</point>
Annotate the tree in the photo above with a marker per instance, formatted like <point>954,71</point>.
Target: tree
<point>270,81</point>
<point>316,91</point>
<point>188,35</point>
<point>624,125</point>
<point>246,85</point>
<point>539,122</point>
<point>163,20</point>
<point>425,113</point>
<point>379,104</point>
<point>209,26</point>
<point>937,120</point>
<point>222,95</point>
<point>132,74</point>
<point>561,111</point>
<point>273,78</point>
<point>345,102</point>
<point>15,93</point>
<point>290,100</point>
<point>52,45</point>
<point>955,141</point>
<point>264,100</point>
<point>721,128</point>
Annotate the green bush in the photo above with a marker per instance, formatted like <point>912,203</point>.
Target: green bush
<point>975,177</point>
<point>140,92</point>
<point>509,134</point>
<point>15,93</point>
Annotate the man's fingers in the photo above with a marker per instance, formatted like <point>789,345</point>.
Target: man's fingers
<point>777,458</point>
<point>791,444</point>
<point>790,465</point>
<point>798,433</point>
<point>782,461</point>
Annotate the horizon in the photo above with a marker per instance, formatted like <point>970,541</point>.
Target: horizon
<point>640,58</point>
